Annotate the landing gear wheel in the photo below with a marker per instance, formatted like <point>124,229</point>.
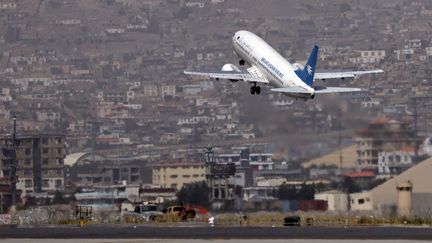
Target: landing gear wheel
<point>258,90</point>
<point>252,90</point>
<point>241,62</point>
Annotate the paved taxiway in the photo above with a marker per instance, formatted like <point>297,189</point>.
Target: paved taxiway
<point>153,232</point>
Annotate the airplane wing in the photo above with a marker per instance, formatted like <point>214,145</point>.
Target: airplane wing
<point>344,74</point>
<point>318,90</point>
<point>326,90</point>
<point>230,75</point>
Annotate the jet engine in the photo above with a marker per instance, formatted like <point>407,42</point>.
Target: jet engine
<point>231,68</point>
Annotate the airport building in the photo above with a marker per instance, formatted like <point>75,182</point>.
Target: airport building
<point>408,194</point>
<point>336,200</point>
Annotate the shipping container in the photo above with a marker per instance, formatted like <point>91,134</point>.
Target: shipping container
<point>313,205</point>
<point>294,205</point>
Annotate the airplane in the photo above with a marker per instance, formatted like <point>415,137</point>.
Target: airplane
<point>268,67</point>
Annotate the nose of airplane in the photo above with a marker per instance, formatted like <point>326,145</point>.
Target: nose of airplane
<point>235,35</point>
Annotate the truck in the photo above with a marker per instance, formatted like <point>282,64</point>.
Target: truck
<point>179,213</point>
<point>149,212</point>
<point>143,212</point>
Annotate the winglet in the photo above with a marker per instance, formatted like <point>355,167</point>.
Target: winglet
<point>308,72</point>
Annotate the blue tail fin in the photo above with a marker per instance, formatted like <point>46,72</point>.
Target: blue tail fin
<point>308,72</point>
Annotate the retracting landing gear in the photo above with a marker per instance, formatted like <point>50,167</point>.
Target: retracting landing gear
<point>255,89</point>
<point>242,62</point>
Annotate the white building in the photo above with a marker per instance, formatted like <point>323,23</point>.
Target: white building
<point>258,161</point>
<point>168,90</point>
<point>404,53</point>
<point>370,56</point>
<point>261,193</point>
<point>274,182</point>
<point>427,146</point>
<point>150,90</point>
<point>193,120</point>
<point>371,103</point>
<point>429,50</point>
<point>191,89</point>
<point>361,201</point>
<point>393,163</point>
<point>336,200</point>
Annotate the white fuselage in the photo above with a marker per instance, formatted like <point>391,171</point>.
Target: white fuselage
<point>275,68</point>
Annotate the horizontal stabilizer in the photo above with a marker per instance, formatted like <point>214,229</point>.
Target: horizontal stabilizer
<point>325,90</point>
<point>293,90</point>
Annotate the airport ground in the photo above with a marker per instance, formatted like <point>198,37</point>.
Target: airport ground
<point>139,233</point>
<point>199,241</point>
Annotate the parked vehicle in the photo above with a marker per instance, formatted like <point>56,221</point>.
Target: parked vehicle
<point>292,221</point>
<point>179,213</point>
<point>149,212</point>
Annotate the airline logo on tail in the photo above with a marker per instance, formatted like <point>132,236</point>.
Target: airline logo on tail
<point>307,73</point>
<point>309,70</point>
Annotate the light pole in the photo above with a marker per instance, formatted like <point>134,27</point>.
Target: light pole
<point>12,176</point>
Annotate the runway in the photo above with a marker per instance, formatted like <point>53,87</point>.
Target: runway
<point>219,233</point>
<point>201,241</point>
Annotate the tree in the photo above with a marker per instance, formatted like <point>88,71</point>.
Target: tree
<point>194,193</point>
<point>287,192</point>
<point>350,186</point>
<point>30,201</point>
<point>306,192</point>
<point>58,198</point>
<point>320,187</point>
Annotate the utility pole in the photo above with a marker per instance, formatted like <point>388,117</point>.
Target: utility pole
<point>340,141</point>
<point>416,129</point>
<point>1,203</point>
<point>421,105</point>
<point>340,187</point>
<point>12,176</point>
